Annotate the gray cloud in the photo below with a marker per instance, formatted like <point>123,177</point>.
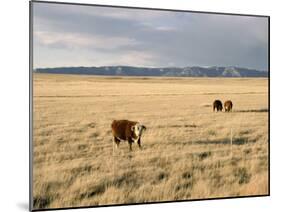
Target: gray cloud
<point>80,35</point>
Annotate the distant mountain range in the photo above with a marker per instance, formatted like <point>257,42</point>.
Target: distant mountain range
<point>193,71</point>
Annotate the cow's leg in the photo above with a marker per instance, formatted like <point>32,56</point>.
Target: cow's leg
<point>130,141</point>
<point>139,143</point>
<point>130,146</point>
<point>117,142</point>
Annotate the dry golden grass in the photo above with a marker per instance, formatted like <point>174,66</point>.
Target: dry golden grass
<point>186,149</point>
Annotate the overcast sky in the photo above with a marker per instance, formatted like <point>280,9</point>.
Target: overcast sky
<point>71,35</point>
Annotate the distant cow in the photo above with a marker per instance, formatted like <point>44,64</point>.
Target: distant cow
<point>126,130</point>
<point>217,105</point>
<point>228,106</point>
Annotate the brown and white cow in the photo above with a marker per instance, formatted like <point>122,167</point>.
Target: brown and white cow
<point>228,106</point>
<point>125,130</point>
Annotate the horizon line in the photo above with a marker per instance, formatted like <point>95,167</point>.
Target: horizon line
<point>153,67</point>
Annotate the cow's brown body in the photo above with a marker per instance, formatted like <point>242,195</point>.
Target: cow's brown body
<point>125,130</point>
<point>217,105</point>
<point>228,106</point>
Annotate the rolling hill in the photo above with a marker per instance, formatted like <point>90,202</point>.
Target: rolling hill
<point>192,71</point>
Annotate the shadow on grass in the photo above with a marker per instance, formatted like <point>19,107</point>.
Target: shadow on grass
<point>262,110</point>
<point>93,191</point>
<point>235,141</point>
<point>177,126</point>
<point>42,202</point>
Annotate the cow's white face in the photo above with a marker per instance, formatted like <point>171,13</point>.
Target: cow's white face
<point>138,129</point>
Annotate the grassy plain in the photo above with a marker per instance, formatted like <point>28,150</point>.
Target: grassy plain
<point>186,149</point>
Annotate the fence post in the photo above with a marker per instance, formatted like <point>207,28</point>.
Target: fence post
<point>231,143</point>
